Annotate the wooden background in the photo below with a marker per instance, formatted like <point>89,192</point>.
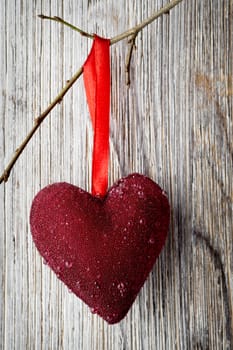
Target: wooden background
<point>173,124</point>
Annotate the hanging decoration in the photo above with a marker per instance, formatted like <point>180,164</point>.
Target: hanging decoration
<point>101,245</point>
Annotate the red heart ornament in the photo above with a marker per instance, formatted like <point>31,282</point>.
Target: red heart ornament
<point>102,248</point>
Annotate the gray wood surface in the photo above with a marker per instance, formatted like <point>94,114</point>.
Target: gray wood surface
<point>173,124</point>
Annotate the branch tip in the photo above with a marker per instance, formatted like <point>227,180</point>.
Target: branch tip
<point>62,21</point>
<point>4,177</point>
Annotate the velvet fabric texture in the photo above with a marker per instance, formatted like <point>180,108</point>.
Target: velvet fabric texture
<point>102,248</point>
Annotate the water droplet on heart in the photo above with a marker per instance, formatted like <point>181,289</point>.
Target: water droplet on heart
<point>141,221</point>
<point>140,194</point>
<point>97,286</point>
<point>98,276</point>
<point>122,289</point>
<point>78,284</point>
<point>94,310</point>
<point>45,262</point>
<point>92,295</point>
<point>68,264</point>
<point>125,238</point>
<point>152,240</point>
<point>67,223</point>
<point>88,269</point>
<point>164,193</point>
<point>129,223</point>
<point>58,268</point>
<point>120,285</point>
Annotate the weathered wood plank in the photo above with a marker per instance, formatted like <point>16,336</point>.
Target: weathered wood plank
<point>174,124</point>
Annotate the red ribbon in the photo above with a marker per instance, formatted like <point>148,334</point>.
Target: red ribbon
<point>96,71</point>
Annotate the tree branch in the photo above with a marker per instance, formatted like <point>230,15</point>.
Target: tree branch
<point>129,33</point>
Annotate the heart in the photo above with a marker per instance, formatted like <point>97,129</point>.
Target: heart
<point>102,248</point>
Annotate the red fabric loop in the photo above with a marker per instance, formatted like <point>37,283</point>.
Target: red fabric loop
<point>96,72</point>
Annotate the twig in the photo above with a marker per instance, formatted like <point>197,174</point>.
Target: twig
<point>129,56</point>
<point>60,20</point>
<point>139,27</point>
<point>4,177</point>
<point>129,33</point>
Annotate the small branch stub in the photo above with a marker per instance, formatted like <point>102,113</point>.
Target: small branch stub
<point>129,57</point>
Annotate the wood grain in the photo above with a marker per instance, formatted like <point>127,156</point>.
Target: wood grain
<point>174,124</point>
